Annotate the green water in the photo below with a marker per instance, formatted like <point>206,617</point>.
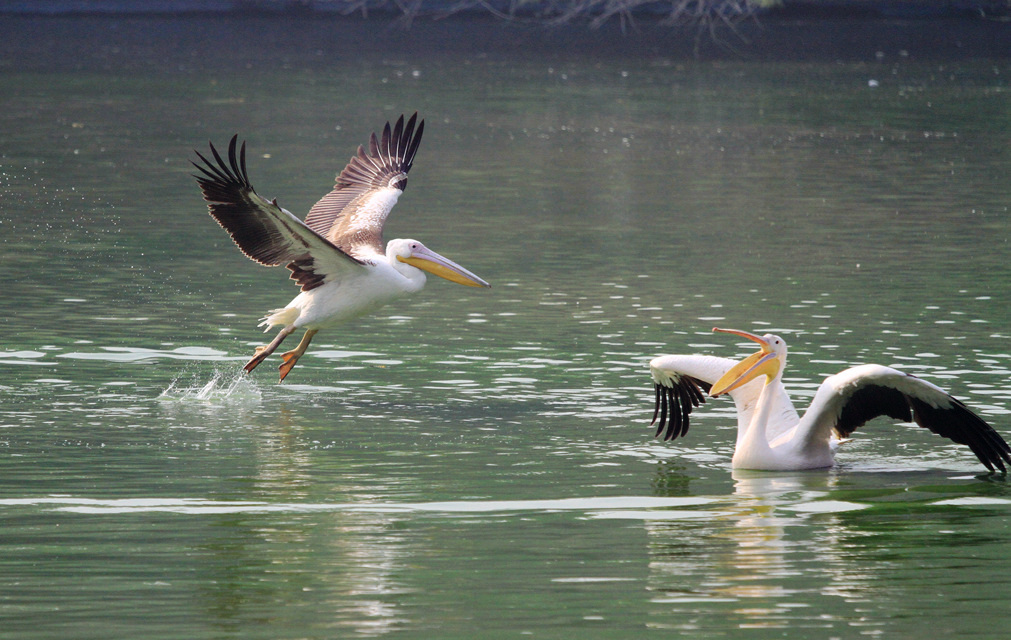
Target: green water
<point>478,462</point>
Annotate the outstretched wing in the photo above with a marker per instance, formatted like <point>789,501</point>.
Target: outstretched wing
<point>353,214</point>
<point>263,230</point>
<point>857,395</point>
<point>680,383</point>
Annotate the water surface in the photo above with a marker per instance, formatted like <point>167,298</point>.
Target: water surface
<point>481,460</point>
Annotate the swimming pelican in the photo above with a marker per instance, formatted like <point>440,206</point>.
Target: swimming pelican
<point>337,254</point>
<point>771,436</point>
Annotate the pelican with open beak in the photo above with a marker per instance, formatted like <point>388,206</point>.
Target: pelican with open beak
<point>770,434</point>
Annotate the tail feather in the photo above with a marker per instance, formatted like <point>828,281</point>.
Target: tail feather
<point>279,317</point>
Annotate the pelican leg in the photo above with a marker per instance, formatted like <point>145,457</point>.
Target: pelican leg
<point>266,350</point>
<point>292,357</point>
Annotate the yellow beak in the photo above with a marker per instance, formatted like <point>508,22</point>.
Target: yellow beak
<point>430,261</point>
<point>764,362</point>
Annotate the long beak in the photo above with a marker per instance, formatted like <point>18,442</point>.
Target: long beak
<point>430,261</point>
<point>764,362</point>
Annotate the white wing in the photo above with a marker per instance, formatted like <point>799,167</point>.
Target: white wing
<point>681,382</point>
<point>852,397</point>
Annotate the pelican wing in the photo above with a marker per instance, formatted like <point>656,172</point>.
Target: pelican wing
<point>353,214</point>
<point>263,230</point>
<point>857,395</point>
<point>679,381</point>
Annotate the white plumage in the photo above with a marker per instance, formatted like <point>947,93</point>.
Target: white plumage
<point>771,435</point>
<point>337,255</point>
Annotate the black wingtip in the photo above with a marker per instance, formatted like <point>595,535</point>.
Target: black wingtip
<point>660,407</point>
<point>674,406</point>
<point>960,424</point>
<point>656,405</point>
<point>231,172</point>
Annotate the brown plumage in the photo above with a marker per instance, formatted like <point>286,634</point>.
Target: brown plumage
<point>337,255</point>
<point>347,216</point>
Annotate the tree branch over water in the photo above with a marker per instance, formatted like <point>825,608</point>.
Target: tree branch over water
<point>707,13</point>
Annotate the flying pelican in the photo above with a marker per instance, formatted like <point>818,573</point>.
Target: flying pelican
<point>771,436</point>
<point>337,254</point>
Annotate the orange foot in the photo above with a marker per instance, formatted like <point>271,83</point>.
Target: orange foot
<point>290,359</point>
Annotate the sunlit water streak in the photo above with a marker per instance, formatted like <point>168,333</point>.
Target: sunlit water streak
<point>783,493</point>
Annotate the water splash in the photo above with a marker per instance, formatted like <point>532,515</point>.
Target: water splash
<point>225,387</point>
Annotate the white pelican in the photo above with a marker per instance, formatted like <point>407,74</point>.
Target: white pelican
<point>771,436</point>
<point>337,254</point>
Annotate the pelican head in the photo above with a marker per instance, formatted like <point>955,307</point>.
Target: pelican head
<point>415,254</point>
<point>768,361</point>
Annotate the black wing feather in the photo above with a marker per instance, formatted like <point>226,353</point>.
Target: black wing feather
<point>676,402</point>
<point>261,229</point>
<point>386,164</point>
<point>958,424</point>
<point>955,421</point>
